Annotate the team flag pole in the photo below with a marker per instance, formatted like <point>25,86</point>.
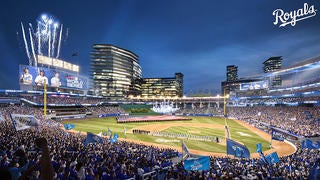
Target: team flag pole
<point>45,99</point>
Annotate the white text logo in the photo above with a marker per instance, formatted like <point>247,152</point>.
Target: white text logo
<point>292,17</point>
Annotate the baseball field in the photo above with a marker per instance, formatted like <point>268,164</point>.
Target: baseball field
<point>198,126</point>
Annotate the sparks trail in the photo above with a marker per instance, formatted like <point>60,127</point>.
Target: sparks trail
<point>45,39</point>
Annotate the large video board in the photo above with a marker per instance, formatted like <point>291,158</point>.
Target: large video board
<point>30,75</point>
<point>254,85</point>
<point>57,63</point>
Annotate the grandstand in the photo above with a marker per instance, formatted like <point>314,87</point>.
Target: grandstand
<point>70,158</point>
<point>300,86</point>
<point>291,110</point>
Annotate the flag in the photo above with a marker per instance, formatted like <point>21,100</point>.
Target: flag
<point>110,133</point>
<point>217,162</point>
<point>69,126</point>
<point>237,149</point>
<point>307,112</point>
<point>114,139</point>
<point>315,171</point>
<point>149,156</point>
<point>277,136</point>
<point>99,134</point>
<point>1,117</point>
<point>185,151</point>
<point>197,164</point>
<point>262,158</point>
<point>92,138</point>
<point>272,158</point>
<point>290,168</point>
<point>259,147</point>
<point>307,143</point>
<point>21,121</point>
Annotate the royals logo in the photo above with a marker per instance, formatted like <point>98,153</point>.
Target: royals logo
<point>196,165</point>
<point>292,17</point>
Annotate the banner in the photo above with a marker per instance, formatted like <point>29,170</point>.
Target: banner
<point>277,136</point>
<point>237,149</point>
<point>21,121</point>
<point>272,158</point>
<point>197,164</point>
<point>254,85</point>
<point>92,138</point>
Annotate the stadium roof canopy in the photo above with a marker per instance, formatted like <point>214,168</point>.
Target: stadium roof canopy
<point>298,67</point>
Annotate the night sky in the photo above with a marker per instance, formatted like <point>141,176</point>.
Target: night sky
<point>196,37</point>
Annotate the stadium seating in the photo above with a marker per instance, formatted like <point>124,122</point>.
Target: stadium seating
<point>71,159</point>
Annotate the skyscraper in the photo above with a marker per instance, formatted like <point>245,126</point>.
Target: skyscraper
<point>115,71</point>
<point>179,84</point>
<point>166,87</point>
<point>273,64</point>
<point>232,73</point>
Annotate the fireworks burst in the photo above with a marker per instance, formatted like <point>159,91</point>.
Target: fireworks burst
<point>46,40</point>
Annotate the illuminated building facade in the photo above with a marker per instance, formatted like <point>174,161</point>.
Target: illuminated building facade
<point>232,73</point>
<point>115,71</point>
<point>163,87</point>
<point>271,65</point>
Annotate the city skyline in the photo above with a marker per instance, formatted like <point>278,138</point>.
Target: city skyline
<point>196,38</point>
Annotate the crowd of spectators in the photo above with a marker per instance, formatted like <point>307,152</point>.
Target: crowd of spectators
<point>298,120</point>
<point>297,89</point>
<point>293,91</point>
<point>278,100</point>
<point>71,159</point>
<point>64,100</point>
<point>98,110</point>
<point>295,166</point>
<point>202,110</point>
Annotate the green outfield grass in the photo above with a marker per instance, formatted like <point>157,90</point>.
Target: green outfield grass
<point>238,132</point>
<point>130,107</point>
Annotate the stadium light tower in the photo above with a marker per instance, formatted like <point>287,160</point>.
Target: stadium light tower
<point>225,96</point>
